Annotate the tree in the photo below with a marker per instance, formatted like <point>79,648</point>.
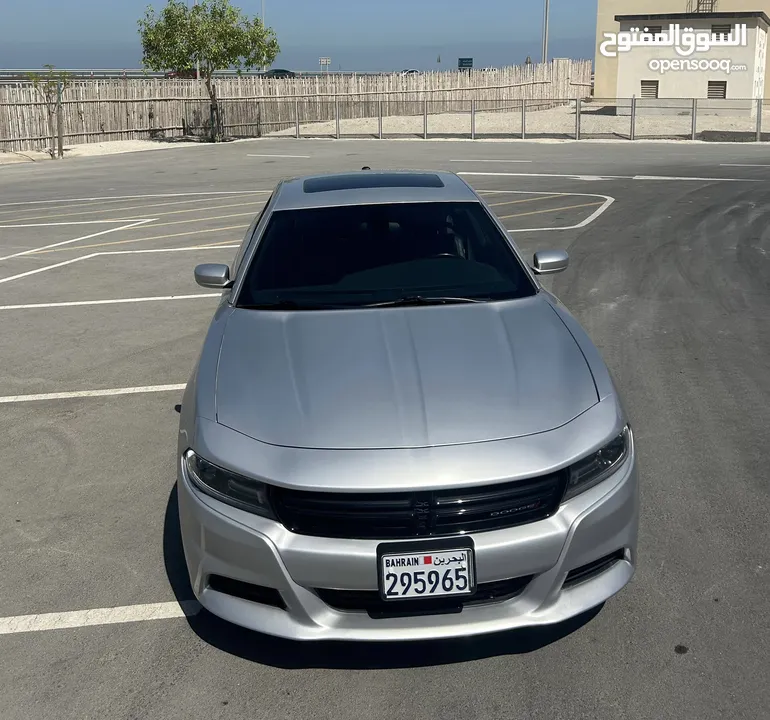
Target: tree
<point>212,35</point>
<point>51,87</point>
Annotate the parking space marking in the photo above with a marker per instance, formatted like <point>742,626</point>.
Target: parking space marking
<point>593,216</point>
<point>252,213</point>
<point>80,213</point>
<point>608,200</point>
<point>490,161</point>
<point>213,207</point>
<point>71,222</point>
<point>550,210</point>
<point>98,616</point>
<point>741,165</point>
<point>610,177</point>
<point>74,240</point>
<point>107,392</point>
<point>45,268</point>
<point>526,200</point>
<point>118,301</point>
<point>116,198</point>
<point>146,239</point>
<point>306,157</point>
<point>212,246</point>
<point>119,252</point>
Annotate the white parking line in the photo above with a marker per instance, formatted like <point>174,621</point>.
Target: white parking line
<point>741,165</point>
<point>306,157</point>
<point>610,177</point>
<point>135,223</point>
<point>593,216</point>
<point>61,224</point>
<point>605,206</point>
<point>135,197</point>
<point>98,616</point>
<point>167,250</point>
<point>491,161</point>
<point>111,252</point>
<point>8,399</point>
<point>45,268</point>
<point>119,301</point>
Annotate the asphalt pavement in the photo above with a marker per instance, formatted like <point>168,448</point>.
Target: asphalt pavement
<point>670,275</point>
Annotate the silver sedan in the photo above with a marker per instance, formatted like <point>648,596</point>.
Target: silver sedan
<point>393,431</point>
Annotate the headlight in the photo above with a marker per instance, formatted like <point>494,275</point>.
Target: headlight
<point>597,467</point>
<point>228,487</point>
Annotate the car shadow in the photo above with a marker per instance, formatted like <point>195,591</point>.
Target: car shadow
<point>292,655</point>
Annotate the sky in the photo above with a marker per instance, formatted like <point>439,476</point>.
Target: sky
<point>363,35</point>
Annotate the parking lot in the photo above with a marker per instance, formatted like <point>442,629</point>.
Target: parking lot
<point>102,323</point>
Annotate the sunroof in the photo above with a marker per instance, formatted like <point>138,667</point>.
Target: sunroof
<point>365,180</point>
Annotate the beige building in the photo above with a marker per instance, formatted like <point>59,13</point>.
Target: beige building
<point>636,72</point>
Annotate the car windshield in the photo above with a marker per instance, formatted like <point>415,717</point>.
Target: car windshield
<point>375,255</point>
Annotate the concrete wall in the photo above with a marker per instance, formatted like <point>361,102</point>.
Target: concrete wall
<point>633,66</point>
<point>606,69</point>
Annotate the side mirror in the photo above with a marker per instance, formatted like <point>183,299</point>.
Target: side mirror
<point>214,276</point>
<point>548,262</point>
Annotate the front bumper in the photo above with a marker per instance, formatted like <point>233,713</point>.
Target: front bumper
<point>220,540</point>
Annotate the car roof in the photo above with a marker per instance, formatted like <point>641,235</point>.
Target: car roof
<point>368,187</point>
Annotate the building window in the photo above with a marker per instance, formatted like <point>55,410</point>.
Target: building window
<point>654,29</point>
<point>717,90</point>
<point>649,89</point>
<point>721,32</point>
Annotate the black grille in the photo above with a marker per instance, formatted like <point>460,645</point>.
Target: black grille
<point>390,516</point>
<point>369,601</point>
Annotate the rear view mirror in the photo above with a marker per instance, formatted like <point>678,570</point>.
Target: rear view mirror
<point>214,276</point>
<point>548,262</point>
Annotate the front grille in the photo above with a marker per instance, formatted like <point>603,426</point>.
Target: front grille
<point>404,515</point>
<point>369,601</point>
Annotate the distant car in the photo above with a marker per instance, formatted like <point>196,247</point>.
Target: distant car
<point>393,430</point>
<point>279,73</point>
<point>189,74</point>
<point>410,72</point>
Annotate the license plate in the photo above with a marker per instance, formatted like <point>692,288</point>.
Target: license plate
<point>430,572</point>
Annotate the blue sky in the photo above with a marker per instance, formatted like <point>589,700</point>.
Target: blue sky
<point>356,34</point>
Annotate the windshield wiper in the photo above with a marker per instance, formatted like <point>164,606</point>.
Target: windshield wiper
<point>422,300</point>
<point>291,305</point>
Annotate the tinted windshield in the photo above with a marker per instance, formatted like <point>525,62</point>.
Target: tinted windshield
<point>367,254</point>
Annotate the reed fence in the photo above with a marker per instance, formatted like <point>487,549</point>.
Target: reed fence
<point>131,108</point>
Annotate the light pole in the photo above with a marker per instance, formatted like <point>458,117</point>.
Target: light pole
<point>197,60</point>
<point>545,31</point>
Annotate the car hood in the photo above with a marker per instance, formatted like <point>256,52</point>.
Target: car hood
<point>400,377</point>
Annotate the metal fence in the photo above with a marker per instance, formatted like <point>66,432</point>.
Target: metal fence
<point>435,115</point>
<point>576,119</point>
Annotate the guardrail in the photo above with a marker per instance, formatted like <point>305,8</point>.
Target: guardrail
<point>115,74</point>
